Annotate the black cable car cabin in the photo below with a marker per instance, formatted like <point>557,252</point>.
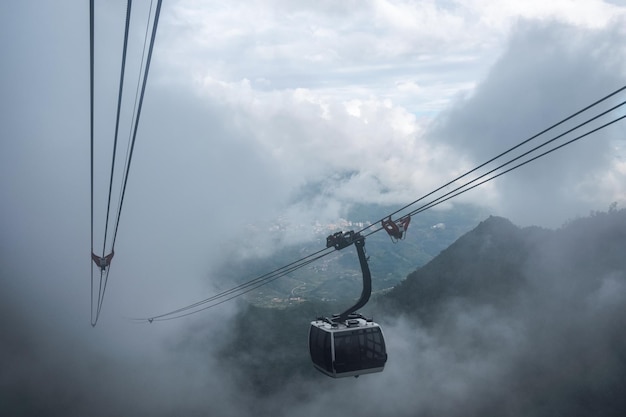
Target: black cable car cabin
<point>348,344</point>
<point>350,348</point>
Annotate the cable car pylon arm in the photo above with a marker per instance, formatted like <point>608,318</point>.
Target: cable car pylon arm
<point>341,240</point>
<point>348,344</point>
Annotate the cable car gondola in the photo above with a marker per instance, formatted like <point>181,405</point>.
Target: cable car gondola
<point>348,344</point>
<point>350,348</point>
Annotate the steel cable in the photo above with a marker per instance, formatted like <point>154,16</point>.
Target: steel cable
<point>136,123</point>
<point>91,77</point>
<point>269,277</point>
<point>533,137</point>
<point>117,120</point>
<point>104,272</point>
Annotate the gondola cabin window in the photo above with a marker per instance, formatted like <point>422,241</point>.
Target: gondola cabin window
<point>319,344</point>
<point>359,349</point>
<point>347,349</point>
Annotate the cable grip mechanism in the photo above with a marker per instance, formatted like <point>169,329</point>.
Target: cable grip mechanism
<point>342,240</point>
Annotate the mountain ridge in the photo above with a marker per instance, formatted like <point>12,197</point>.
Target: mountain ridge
<point>543,309</point>
<point>495,245</point>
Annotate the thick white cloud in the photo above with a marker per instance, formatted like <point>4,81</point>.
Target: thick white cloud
<point>352,88</point>
<point>238,116</point>
<point>249,107</point>
<point>549,72</point>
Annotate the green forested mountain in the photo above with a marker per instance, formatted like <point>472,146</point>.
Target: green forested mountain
<point>495,261</point>
<point>337,277</point>
<point>538,315</point>
<point>485,265</point>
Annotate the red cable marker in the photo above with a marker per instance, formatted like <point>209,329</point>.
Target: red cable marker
<point>396,229</point>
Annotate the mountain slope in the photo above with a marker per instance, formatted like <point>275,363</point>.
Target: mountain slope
<point>496,260</point>
<point>484,265</point>
<point>506,321</point>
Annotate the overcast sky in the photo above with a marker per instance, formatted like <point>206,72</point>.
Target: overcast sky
<point>249,106</point>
